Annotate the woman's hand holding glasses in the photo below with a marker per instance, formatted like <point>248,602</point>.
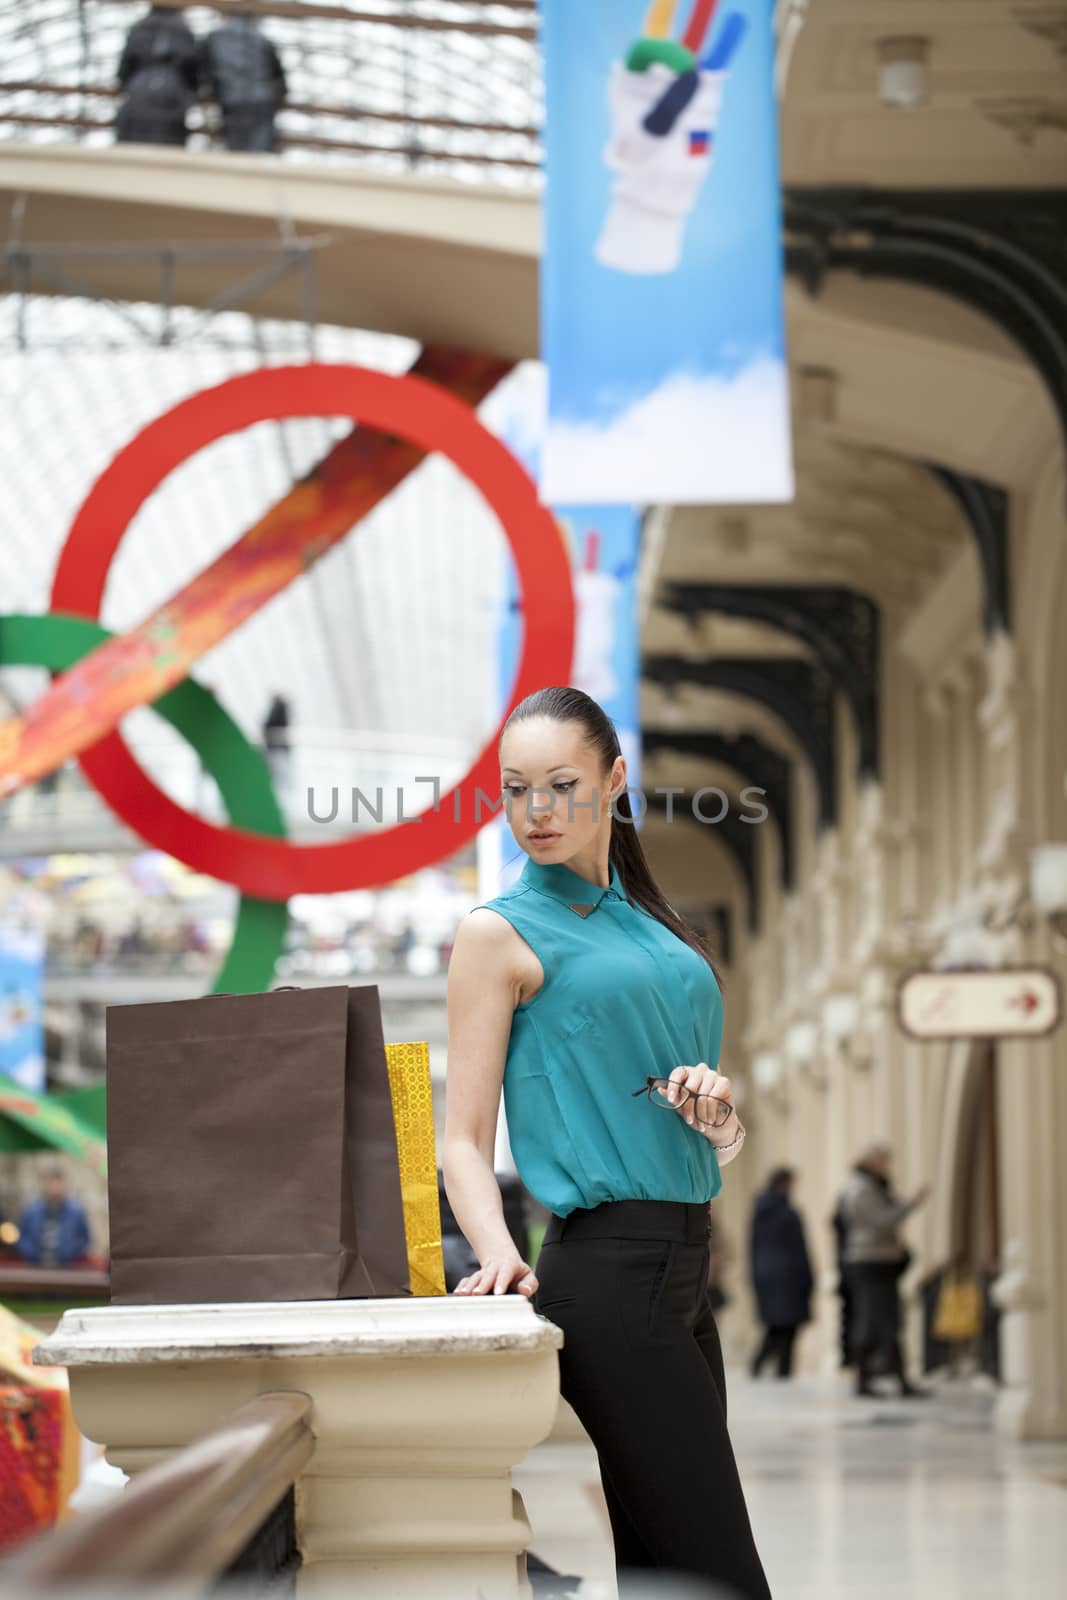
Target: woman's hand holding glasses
<point>701,1094</point>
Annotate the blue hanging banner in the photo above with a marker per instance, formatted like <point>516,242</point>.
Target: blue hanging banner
<point>604,544</point>
<point>21,999</point>
<point>662,279</point>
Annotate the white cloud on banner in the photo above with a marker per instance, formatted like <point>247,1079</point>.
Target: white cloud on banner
<point>694,440</point>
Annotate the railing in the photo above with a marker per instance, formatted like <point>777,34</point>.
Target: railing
<point>354,957</point>
<point>447,86</point>
<point>197,1516</point>
<point>328,783</point>
<point>415,151</point>
<point>18,1280</point>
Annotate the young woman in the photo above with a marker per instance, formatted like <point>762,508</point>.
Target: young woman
<point>573,989</point>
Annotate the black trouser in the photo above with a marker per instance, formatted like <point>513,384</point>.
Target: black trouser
<point>876,1324</point>
<point>845,1292</point>
<point>642,1367</point>
<point>778,1340</point>
<point>248,126</point>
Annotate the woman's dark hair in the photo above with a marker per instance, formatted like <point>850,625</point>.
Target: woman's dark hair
<point>563,703</point>
<point>780,1178</point>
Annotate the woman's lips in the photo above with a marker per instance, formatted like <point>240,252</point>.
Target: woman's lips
<point>543,838</point>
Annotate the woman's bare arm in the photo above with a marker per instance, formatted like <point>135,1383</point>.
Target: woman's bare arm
<point>483,989</point>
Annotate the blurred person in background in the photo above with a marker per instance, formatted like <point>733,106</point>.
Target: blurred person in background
<point>781,1272</point>
<point>276,747</point>
<point>47,787</point>
<point>844,1285</point>
<point>876,1259</point>
<point>240,68</point>
<point>53,1229</point>
<point>158,72</point>
<point>275,729</point>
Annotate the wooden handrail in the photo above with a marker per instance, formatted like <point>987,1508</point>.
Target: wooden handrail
<point>317,11</point>
<point>20,1279</point>
<point>297,141</point>
<point>307,141</point>
<point>352,113</point>
<point>188,1517</point>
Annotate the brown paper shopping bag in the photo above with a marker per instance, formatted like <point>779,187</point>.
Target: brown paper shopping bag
<point>252,1151</point>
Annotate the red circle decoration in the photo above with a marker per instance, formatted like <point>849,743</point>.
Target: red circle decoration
<point>410,408</point>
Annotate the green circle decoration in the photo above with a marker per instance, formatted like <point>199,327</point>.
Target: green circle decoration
<point>56,641</point>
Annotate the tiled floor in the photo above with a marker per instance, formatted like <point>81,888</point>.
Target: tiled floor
<point>870,1499</point>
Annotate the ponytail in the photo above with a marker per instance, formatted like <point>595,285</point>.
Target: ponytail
<point>641,887</point>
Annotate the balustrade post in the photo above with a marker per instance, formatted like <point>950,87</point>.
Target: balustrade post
<point>421,1408</point>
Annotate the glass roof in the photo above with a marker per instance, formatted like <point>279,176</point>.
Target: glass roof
<point>388,644</point>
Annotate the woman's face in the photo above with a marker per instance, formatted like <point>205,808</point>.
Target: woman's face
<point>555,797</point>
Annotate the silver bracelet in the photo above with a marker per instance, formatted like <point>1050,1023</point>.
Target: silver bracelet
<point>720,1149</point>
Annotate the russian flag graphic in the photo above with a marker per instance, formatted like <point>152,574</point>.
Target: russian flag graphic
<point>699,143</point>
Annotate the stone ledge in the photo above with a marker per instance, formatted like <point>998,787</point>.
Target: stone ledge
<point>424,1325</point>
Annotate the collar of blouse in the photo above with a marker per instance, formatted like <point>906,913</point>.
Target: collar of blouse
<point>569,887</point>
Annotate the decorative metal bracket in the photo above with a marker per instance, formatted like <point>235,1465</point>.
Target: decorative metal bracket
<point>1048,22</point>
<point>986,509</point>
<point>1004,252</point>
<point>720,917</point>
<point>767,769</point>
<point>801,693</point>
<point>738,837</point>
<point>839,624</point>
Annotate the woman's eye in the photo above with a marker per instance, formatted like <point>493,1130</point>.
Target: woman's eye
<point>519,788</point>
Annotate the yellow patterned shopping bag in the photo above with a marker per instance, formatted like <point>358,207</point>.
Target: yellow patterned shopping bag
<point>409,1081</point>
<point>958,1315</point>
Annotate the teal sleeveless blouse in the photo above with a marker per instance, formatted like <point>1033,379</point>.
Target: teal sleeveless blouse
<point>622,998</point>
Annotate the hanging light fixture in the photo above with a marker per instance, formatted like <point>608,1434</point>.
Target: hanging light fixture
<point>1048,887</point>
<point>902,75</point>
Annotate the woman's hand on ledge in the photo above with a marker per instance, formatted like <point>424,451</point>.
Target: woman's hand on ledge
<point>497,1274</point>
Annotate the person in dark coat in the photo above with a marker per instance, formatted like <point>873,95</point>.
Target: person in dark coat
<point>276,742</point>
<point>242,71</point>
<point>159,73</point>
<point>781,1272</point>
<point>276,724</point>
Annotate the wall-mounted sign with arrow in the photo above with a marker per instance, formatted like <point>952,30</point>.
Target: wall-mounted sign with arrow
<point>999,1003</point>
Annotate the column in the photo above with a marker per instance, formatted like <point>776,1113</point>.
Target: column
<point>936,702</point>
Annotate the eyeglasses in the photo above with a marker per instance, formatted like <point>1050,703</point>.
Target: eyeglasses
<point>709,1109</point>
